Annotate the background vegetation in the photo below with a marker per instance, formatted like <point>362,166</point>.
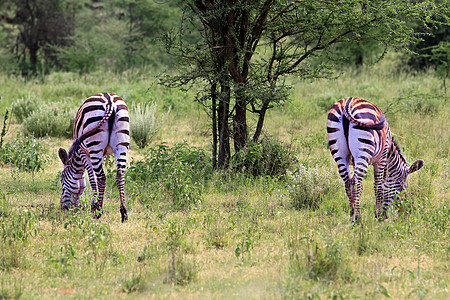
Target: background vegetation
<point>273,224</point>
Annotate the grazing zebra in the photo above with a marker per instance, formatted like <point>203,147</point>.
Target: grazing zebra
<point>359,135</point>
<point>101,128</point>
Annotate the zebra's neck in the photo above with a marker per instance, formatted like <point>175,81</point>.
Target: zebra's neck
<point>396,168</point>
<point>76,166</point>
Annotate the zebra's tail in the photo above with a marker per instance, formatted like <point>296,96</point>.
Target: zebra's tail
<point>77,142</point>
<point>376,126</point>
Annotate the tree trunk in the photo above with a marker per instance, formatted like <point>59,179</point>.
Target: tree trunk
<point>33,57</point>
<point>259,126</point>
<point>240,122</point>
<point>214,123</point>
<point>224,132</point>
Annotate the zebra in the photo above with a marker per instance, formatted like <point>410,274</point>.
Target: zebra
<point>359,135</point>
<point>101,128</point>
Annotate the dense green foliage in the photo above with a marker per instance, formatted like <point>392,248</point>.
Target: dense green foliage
<point>309,187</point>
<point>266,158</point>
<point>32,30</point>
<point>83,36</point>
<point>172,177</point>
<point>50,120</point>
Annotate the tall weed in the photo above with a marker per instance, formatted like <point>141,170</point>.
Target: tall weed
<point>181,269</point>
<point>26,154</point>
<point>134,284</point>
<point>15,293</point>
<point>318,258</point>
<point>94,239</point>
<point>24,107</point>
<point>217,231</point>
<point>145,124</point>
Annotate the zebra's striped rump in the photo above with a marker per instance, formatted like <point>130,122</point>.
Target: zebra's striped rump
<point>359,136</point>
<point>101,128</point>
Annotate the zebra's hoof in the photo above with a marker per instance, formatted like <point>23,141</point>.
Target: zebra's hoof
<point>356,219</point>
<point>97,215</point>
<point>65,206</point>
<point>381,216</point>
<point>98,212</point>
<point>123,212</point>
<point>124,218</point>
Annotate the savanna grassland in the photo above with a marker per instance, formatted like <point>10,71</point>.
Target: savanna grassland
<point>194,233</point>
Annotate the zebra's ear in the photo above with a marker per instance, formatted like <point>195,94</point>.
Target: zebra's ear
<point>417,165</point>
<point>63,155</point>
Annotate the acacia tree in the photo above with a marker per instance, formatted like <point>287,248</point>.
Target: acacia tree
<point>37,25</point>
<point>249,47</point>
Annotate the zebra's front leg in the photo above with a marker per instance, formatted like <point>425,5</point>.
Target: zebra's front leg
<point>120,181</point>
<point>378,189</point>
<point>97,203</point>
<point>93,179</point>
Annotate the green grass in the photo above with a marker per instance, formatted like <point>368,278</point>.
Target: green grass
<point>244,239</point>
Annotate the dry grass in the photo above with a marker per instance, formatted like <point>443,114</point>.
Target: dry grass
<point>404,257</point>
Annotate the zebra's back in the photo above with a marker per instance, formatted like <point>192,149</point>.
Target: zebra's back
<point>356,128</point>
<point>102,119</point>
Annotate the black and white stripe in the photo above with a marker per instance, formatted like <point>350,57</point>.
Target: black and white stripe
<point>101,128</point>
<point>359,135</point>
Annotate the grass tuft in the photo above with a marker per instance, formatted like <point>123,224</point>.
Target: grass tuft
<point>144,123</point>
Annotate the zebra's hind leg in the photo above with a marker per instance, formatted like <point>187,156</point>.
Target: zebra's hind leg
<point>352,194</point>
<point>360,172</point>
<point>97,203</point>
<point>356,193</point>
<point>344,172</point>
<point>120,181</point>
<point>348,189</point>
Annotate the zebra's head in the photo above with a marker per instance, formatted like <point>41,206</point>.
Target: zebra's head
<point>396,173</point>
<point>72,183</point>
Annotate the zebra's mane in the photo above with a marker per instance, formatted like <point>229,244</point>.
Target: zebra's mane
<point>74,147</point>
<point>397,148</point>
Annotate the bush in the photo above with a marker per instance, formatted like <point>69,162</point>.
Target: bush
<point>308,187</point>
<point>144,123</point>
<point>27,154</point>
<point>175,176</point>
<point>50,120</point>
<point>23,108</point>
<point>267,158</point>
